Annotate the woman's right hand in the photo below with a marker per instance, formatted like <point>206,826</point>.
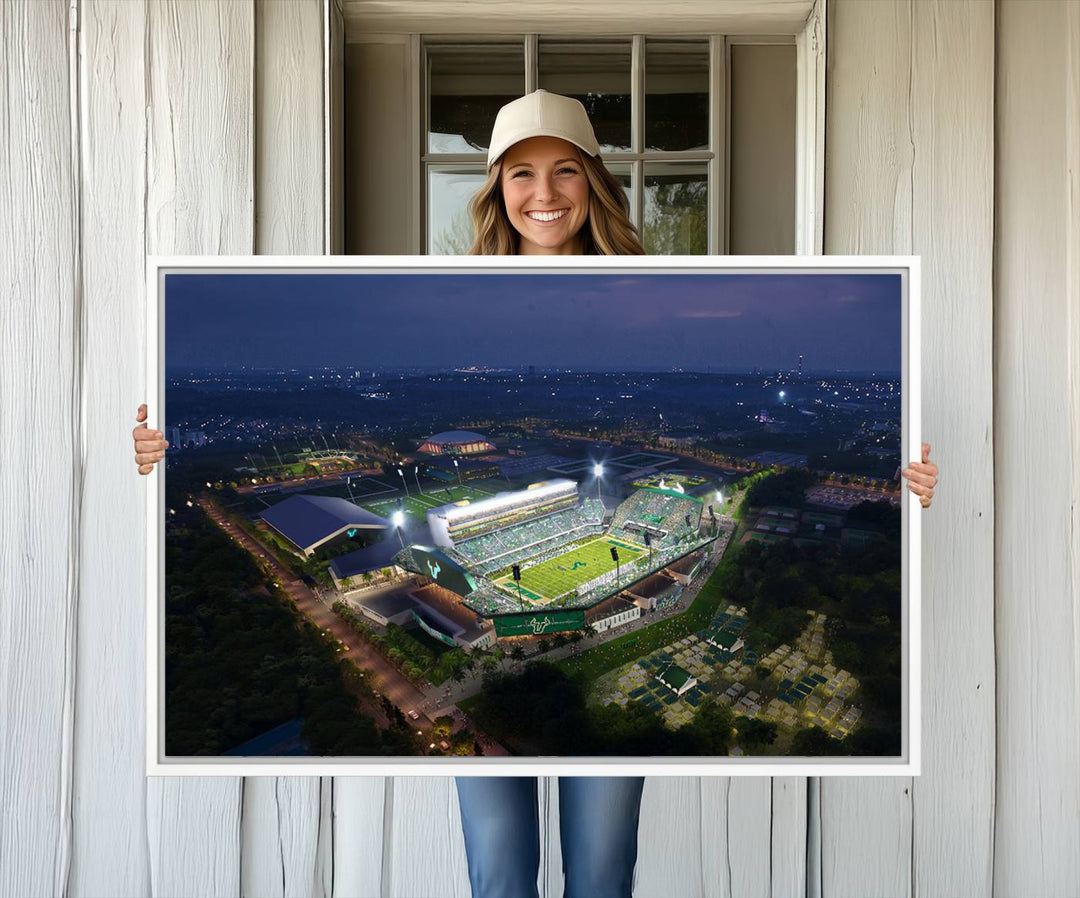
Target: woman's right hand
<point>149,445</point>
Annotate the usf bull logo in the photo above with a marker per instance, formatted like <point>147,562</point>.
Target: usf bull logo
<point>434,568</point>
<point>539,625</point>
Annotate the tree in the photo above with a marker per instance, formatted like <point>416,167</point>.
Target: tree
<point>814,743</point>
<point>443,726</point>
<point>755,734</point>
<point>711,729</point>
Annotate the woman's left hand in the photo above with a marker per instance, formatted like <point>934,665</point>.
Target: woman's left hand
<point>922,477</point>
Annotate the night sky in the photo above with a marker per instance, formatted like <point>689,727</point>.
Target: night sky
<point>592,322</point>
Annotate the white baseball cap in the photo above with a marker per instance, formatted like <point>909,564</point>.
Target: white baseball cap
<point>541,114</point>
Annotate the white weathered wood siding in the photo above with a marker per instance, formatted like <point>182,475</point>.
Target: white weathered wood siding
<point>910,150</point>
<point>1037,450</point>
<point>953,132</point>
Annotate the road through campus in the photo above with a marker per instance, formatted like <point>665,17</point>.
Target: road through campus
<point>393,684</point>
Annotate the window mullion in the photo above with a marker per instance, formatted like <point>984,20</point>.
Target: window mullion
<point>717,185</point>
<point>532,63</point>
<point>637,129</point>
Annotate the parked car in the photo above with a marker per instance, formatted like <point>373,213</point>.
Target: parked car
<point>414,715</point>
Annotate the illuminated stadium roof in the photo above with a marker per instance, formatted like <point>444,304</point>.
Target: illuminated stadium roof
<point>456,441</point>
<point>309,521</point>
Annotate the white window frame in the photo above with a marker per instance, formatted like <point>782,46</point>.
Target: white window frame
<point>809,39</point>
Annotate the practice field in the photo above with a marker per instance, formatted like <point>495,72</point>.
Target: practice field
<point>563,573</point>
<point>417,505</point>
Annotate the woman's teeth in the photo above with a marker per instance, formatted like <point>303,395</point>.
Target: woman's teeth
<point>546,216</point>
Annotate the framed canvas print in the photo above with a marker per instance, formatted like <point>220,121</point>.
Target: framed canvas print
<point>508,515</point>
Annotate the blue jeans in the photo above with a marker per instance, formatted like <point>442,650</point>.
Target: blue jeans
<point>598,822</point>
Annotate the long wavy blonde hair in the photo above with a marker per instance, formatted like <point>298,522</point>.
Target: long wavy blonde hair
<point>607,231</point>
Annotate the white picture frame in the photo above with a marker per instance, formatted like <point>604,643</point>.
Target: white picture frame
<point>908,763</point>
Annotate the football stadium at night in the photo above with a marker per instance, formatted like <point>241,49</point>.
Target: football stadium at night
<point>545,559</point>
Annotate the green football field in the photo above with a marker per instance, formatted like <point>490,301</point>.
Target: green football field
<point>565,572</point>
<point>416,505</point>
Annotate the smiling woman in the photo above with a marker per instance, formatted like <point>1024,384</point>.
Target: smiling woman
<point>547,190</point>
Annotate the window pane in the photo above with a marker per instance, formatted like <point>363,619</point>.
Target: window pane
<point>676,209</point>
<point>467,84</point>
<point>597,74</point>
<point>676,95</point>
<point>449,192</point>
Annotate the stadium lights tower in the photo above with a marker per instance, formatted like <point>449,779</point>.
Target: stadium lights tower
<point>648,545</point>
<point>516,570</point>
<point>458,470</point>
<point>416,474</point>
<point>398,520</point>
<point>598,470</point>
<point>615,558</point>
<point>401,474</point>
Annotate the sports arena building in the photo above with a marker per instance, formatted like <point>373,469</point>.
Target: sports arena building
<point>456,442</point>
<point>308,522</point>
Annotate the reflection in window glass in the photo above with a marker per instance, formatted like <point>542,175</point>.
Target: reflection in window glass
<point>467,86</point>
<point>676,209</point>
<point>449,192</point>
<point>676,95</point>
<point>597,74</point>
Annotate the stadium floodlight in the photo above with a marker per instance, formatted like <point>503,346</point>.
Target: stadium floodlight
<point>719,496</point>
<point>458,470</point>
<point>416,474</point>
<point>598,469</point>
<point>516,571</point>
<point>615,558</point>
<point>398,520</point>
<point>401,474</point>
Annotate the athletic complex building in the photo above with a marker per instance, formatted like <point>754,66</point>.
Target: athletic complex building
<point>545,559</point>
